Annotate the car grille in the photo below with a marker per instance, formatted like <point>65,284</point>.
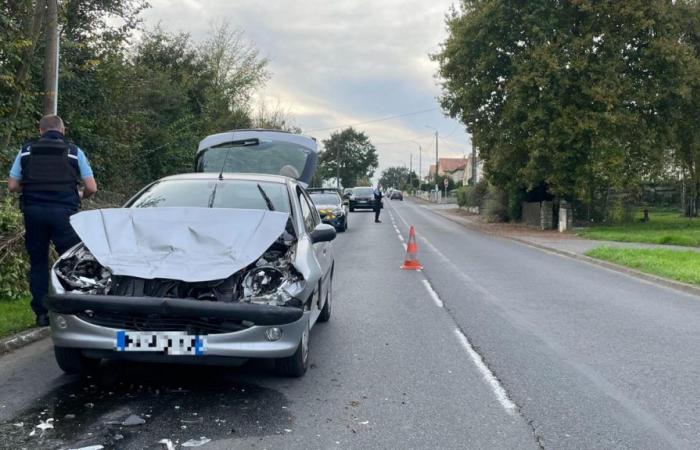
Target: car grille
<point>160,323</point>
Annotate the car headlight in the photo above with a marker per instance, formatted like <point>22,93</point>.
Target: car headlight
<point>338,212</point>
<point>80,272</point>
<point>269,286</point>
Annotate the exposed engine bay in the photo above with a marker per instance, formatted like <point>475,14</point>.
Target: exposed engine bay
<point>272,279</point>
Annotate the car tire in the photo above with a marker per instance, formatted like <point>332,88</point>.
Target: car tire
<point>295,366</point>
<point>325,315</point>
<point>352,209</point>
<point>72,361</point>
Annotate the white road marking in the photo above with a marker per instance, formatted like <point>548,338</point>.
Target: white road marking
<point>433,294</point>
<point>486,373</point>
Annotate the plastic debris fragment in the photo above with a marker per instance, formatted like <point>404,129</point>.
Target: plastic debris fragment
<point>196,442</point>
<point>167,444</point>
<point>133,420</point>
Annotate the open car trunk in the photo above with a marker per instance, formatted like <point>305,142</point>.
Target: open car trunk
<point>259,151</point>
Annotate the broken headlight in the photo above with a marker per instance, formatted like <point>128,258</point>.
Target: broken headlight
<point>269,285</point>
<point>79,271</point>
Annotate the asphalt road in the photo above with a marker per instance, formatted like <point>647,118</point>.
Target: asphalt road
<point>493,345</point>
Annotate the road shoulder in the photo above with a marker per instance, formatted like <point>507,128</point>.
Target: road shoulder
<point>22,339</point>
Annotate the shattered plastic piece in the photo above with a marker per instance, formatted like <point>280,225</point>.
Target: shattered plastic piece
<point>287,430</point>
<point>45,425</point>
<point>69,416</point>
<point>196,442</point>
<point>167,443</point>
<point>133,420</point>
<point>90,447</point>
<point>364,423</point>
<point>18,424</point>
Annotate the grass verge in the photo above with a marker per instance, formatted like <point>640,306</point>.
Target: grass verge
<point>663,228</point>
<point>15,316</point>
<point>677,265</point>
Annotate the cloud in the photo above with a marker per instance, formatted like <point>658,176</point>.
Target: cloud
<point>341,62</point>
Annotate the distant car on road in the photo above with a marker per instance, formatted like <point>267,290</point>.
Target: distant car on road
<point>362,198</point>
<point>396,195</point>
<point>331,207</point>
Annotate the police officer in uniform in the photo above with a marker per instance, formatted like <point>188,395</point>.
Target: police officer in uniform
<point>48,172</point>
<point>378,203</point>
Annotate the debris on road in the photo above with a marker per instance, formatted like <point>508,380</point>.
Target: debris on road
<point>196,442</point>
<point>133,420</point>
<point>167,444</point>
<point>43,426</point>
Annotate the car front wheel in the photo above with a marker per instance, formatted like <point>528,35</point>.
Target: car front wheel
<point>72,360</point>
<point>295,366</point>
<point>325,315</point>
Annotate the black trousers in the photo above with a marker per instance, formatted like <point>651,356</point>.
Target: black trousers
<point>45,224</point>
<point>377,209</point>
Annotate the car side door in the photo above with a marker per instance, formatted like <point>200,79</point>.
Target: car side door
<point>311,219</point>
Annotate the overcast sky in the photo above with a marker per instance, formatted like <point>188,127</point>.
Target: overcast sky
<point>336,63</point>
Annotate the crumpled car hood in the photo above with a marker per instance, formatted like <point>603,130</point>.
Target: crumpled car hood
<point>188,244</point>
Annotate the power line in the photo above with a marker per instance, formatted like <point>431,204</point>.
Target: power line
<point>423,136</point>
<point>373,120</point>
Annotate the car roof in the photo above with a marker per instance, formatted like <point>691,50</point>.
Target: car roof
<point>229,176</point>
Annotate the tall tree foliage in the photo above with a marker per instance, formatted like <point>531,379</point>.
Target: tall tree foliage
<point>573,96</point>
<point>351,154</point>
<point>138,108</point>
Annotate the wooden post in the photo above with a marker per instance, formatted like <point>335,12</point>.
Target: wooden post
<point>51,59</point>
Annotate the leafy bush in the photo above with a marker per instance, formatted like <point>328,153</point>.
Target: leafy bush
<point>473,195</point>
<point>13,258</point>
<point>496,205</point>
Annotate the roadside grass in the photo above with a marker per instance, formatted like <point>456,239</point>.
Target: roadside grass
<point>674,264</point>
<point>664,227</point>
<point>15,316</point>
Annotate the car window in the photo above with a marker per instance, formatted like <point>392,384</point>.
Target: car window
<point>363,191</point>
<point>238,194</point>
<point>272,157</point>
<point>325,199</point>
<point>307,212</point>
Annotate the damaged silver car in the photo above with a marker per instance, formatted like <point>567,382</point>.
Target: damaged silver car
<point>210,267</point>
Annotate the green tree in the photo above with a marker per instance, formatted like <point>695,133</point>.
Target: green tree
<point>349,153</point>
<point>565,95</point>
<point>394,177</point>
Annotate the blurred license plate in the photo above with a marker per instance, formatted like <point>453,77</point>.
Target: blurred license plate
<point>168,342</point>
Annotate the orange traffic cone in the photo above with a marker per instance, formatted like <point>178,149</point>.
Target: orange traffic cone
<point>411,262</point>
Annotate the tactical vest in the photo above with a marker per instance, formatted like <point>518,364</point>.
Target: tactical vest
<point>50,165</point>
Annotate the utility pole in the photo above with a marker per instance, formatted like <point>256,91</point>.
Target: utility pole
<point>420,164</point>
<point>410,171</point>
<point>437,160</point>
<point>51,59</point>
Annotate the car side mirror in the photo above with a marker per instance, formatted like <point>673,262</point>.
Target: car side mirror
<point>323,233</point>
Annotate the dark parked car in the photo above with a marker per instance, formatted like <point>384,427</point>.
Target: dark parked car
<point>331,207</point>
<point>396,195</point>
<point>361,198</point>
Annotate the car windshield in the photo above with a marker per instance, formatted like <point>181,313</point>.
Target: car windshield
<point>270,157</point>
<point>325,199</point>
<point>363,191</point>
<point>239,194</point>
